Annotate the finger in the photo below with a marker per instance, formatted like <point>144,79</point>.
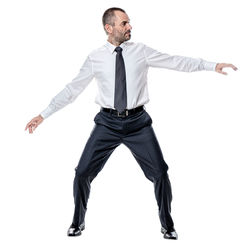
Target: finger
<point>234,68</point>
<point>27,125</point>
<point>31,128</point>
<point>231,66</point>
<point>34,124</point>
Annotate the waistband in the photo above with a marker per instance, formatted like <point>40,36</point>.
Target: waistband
<point>124,113</point>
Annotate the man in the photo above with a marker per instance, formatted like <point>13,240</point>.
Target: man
<point>120,68</point>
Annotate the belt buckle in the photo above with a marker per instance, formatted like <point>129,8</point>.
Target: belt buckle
<point>120,115</point>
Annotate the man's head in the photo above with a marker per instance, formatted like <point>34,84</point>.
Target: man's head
<point>116,24</point>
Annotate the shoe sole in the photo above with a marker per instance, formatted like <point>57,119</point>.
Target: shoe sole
<point>74,235</point>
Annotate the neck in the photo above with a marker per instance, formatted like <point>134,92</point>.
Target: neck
<point>113,41</point>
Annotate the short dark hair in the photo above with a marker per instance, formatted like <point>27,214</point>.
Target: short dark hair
<point>108,16</point>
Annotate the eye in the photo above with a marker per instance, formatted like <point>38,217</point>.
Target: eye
<point>124,23</point>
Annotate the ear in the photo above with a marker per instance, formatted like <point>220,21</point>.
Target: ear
<point>108,28</point>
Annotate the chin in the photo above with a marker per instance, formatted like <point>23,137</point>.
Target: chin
<point>126,39</point>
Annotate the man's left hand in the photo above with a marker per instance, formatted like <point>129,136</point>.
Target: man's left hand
<point>220,66</point>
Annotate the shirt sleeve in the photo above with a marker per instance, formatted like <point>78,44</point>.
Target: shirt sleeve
<point>158,59</point>
<point>71,90</point>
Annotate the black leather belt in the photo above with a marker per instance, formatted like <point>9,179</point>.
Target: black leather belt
<point>124,113</point>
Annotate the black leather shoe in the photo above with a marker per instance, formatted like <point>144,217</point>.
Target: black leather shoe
<point>169,233</point>
<point>75,231</point>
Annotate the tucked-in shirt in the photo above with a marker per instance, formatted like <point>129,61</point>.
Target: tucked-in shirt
<point>138,57</point>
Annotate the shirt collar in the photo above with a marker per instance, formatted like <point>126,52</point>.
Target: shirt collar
<point>111,47</point>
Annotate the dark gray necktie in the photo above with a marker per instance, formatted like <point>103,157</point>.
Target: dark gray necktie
<point>120,102</point>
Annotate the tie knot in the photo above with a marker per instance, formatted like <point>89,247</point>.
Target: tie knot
<point>118,49</point>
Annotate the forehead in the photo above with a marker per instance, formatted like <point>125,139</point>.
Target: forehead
<point>121,16</point>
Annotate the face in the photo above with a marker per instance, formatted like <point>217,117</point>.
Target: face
<point>121,31</point>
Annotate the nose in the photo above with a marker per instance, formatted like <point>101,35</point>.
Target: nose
<point>129,26</point>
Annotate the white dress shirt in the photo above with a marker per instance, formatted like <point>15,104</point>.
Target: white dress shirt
<point>138,57</point>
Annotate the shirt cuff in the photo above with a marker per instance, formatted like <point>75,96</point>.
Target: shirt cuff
<point>46,112</point>
<point>209,65</point>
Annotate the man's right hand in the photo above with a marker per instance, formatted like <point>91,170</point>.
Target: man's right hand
<point>32,125</point>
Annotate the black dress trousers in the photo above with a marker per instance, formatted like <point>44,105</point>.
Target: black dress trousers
<point>136,132</point>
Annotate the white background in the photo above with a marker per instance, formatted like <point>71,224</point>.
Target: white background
<point>201,120</point>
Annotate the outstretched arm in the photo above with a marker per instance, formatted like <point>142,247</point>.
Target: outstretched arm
<point>66,96</point>
<point>72,90</point>
<point>158,59</point>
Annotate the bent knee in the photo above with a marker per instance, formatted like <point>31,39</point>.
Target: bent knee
<point>81,172</point>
